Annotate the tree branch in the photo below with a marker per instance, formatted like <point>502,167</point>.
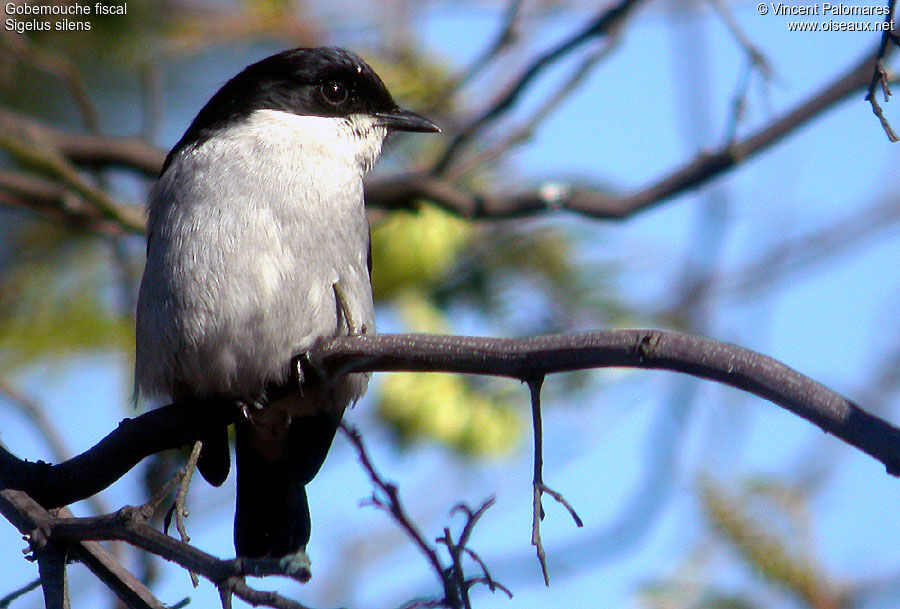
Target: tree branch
<point>27,516</point>
<point>129,524</point>
<point>608,20</point>
<point>880,76</point>
<point>524,358</point>
<point>164,428</point>
<point>406,190</point>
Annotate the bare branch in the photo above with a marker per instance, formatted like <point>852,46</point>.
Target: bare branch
<point>52,569</point>
<point>601,25</point>
<point>27,516</point>
<point>525,358</point>
<point>506,37</point>
<point>403,191</point>
<point>880,75</point>
<point>37,414</point>
<point>395,508</point>
<point>406,190</point>
<point>52,202</point>
<point>12,596</point>
<point>44,157</point>
<point>129,524</point>
<point>92,150</point>
<point>526,129</point>
<point>459,549</point>
<point>86,474</point>
<point>453,580</point>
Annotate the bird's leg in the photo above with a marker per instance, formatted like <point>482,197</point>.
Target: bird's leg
<point>352,328</point>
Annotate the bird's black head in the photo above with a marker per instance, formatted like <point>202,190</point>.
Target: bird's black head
<point>323,81</point>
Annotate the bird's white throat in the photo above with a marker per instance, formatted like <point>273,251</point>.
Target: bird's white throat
<point>356,139</point>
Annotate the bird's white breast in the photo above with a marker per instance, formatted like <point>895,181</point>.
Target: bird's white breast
<point>248,232</point>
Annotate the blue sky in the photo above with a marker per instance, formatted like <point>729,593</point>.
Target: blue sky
<point>625,126</point>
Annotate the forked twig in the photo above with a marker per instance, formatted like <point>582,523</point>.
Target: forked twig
<point>880,76</point>
<point>539,488</point>
<point>180,510</point>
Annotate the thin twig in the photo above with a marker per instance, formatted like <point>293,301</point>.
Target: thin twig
<point>756,62</point>
<point>525,131</point>
<point>506,37</point>
<point>880,75</point>
<point>538,486</point>
<point>537,510</point>
<point>600,25</point>
<point>395,508</point>
<point>460,548</point>
<point>12,596</point>
<point>51,561</point>
<point>753,52</point>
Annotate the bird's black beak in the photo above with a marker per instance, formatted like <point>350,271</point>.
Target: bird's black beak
<point>399,119</point>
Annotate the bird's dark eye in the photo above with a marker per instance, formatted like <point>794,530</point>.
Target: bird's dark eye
<point>334,92</point>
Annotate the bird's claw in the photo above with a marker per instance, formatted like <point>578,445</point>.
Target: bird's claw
<point>248,409</point>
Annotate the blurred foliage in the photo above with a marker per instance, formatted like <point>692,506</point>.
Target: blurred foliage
<point>766,525</point>
<point>415,249</point>
<point>56,298</point>
<point>541,259</point>
<point>413,75</point>
<point>446,407</point>
<point>429,262</point>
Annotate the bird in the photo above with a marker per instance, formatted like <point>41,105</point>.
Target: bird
<point>258,247</point>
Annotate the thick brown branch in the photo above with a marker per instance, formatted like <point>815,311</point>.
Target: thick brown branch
<point>79,536</point>
<point>527,358</point>
<point>94,470</point>
<point>524,358</point>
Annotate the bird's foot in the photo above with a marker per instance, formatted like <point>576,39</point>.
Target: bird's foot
<point>306,371</point>
<point>297,565</point>
<point>248,409</point>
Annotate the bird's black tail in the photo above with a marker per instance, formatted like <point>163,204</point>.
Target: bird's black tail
<point>271,516</point>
